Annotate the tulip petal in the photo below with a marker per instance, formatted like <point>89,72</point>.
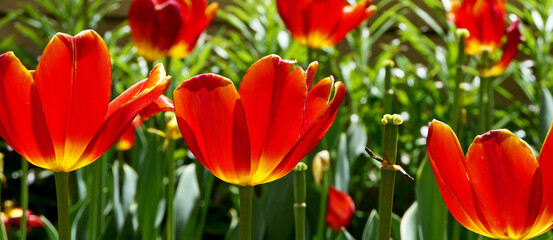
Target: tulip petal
<point>352,17</point>
<point>73,79</point>
<point>509,52</point>
<point>122,111</point>
<point>161,104</point>
<point>340,209</point>
<point>213,123</point>
<point>22,122</point>
<point>196,18</point>
<point>545,160</point>
<point>320,27</point>
<point>291,13</point>
<point>508,182</point>
<point>311,137</point>
<point>127,140</point>
<point>310,73</point>
<point>154,27</point>
<point>274,101</point>
<point>448,163</point>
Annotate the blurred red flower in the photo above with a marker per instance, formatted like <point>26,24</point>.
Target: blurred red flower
<point>499,189</point>
<point>340,209</point>
<point>12,216</point>
<point>59,117</point>
<point>486,22</point>
<point>259,133</point>
<point>168,27</point>
<point>322,23</point>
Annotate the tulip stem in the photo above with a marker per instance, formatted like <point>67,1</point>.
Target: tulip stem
<point>489,118</point>
<point>62,194</point>
<point>322,206</point>
<point>246,198</point>
<point>207,188</point>
<point>95,207</point>
<point>388,91</point>
<point>170,190</point>
<point>299,197</point>
<point>388,174</point>
<point>24,199</point>
<point>457,96</point>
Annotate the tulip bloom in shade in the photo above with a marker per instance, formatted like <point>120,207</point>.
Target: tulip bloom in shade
<point>127,140</point>
<point>60,117</point>
<point>340,209</point>
<point>486,22</point>
<point>259,133</point>
<point>13,216</point>
<point>318,24</point>
<point>168,27</point>
<point>499,189</point>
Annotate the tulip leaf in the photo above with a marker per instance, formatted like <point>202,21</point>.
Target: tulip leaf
<point>278,200</point>
<point>371,227</point>
<point>410,223</point>
<point>186,197</point>
<point>50,228</point>
<point>342,175</point>
<point>432,212</point>
<point>357,139</point>
<point>545,236</point>
<point>546,112</point>
<point>344,235</point>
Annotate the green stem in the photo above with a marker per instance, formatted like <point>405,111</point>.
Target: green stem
<point>388,92</point>
<point>24,199</point>
<point>85,14</point>
<point>170,190</point>
<point>322,207</point>
<point>457,96</point>
<point>299,197</point>
<point>208,186</point>
<point>388,174</point>
<point>490,105</point>
<point>62,194</point>
<point>95,209</point>
<point>246,198</point>
<point>482,107</point>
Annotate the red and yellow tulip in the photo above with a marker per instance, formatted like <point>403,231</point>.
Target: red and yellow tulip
<point>499,189</point>
<point>12,216</point>
<point>486,22</point>
<point>259,133</point>
<point>59,117</point>
<point>319,24</point>
<point>168,27</point>
<point>340,209</point>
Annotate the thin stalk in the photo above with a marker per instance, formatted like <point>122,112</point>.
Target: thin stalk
<point>457,96</point>
<point>388,92</point>
<point>322,207</point>
<point>85,14</point>
<point>24,199</point>
<point>95,210</point>
<point>388,174</point>
<point>246,198</point>
<point>170,190</point>
<point>481,107</point>
<point>299,200</point>
<point>490,106</point>
<point>485,118</point>
<point>62,194</point>
<point>206,199</point>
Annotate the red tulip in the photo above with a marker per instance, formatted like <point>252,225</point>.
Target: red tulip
<point>60,118</point>
<point>168,27</point>
<point>259,133</point>
<point>485,20</point>
<point>340,209</point>
<point>499,189</point>
<point>126,142</point>
<point>318,24</point>
<point>12,216</point>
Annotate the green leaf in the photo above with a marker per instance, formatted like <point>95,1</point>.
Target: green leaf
<point>342,175</point>
<point>186,197</point>
<point>344,235</point>
<point>50,229</point>
<point>432,211</point>
<point>371,227</point>
<point>410,223</point>
<point>546,113</point>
